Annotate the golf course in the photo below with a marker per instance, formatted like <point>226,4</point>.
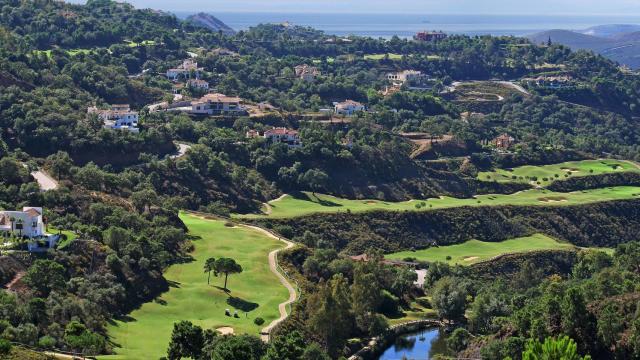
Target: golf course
<point>474,251</point>
<point>255,292</point>
<point>546,174</point>
<point>307,203</point>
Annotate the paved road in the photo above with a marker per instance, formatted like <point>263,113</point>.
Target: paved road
<point>273,265</point>
<point>45,181</point>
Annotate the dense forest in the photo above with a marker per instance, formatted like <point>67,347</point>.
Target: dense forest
<point>119,193</point>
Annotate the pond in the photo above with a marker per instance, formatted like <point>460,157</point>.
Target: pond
<point>421,345</point>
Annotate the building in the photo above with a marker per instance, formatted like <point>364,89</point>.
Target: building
<point>430,36</point>
<point>348,107</point>
<point>551,82</point>
<point>28,223</point>
<point>306,72</point>
<point>504,141</point>
<point>218,104</point>
<point>198,84</point>
<point>252,134</point>
<point>188,68</point>
<point>409,77</point>
<point>283,135</point>
<point>118,117</point>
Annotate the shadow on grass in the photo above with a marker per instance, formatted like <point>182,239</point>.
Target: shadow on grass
<point>173,284</point>
<point>241,304</point>
<point>223,289</point>
<point>314,198</point>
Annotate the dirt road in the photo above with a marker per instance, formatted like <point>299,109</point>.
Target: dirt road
<point>45,181</point>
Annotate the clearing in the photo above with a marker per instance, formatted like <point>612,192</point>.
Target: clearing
<point>257,290</point>
<point>546,174</point>
<point>306,203</point>
<point>474,251</point>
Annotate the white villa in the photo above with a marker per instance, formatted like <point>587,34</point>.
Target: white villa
<point>185,70</point>
<point>283,135</point>
<point>198,84</point>
<point>348,107</point>
<point>215,104</point>
<point>119,117</point>
<point>27,223</point>
<point>306,72</point>
<point>410,77</point>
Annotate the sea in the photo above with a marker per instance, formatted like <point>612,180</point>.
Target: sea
<point>406,25</point>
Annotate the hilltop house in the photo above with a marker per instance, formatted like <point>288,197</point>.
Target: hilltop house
<point>348,107</point>
<point>283,135</point>
<point>185,70</point>
<point>409,77</point>
<point>430,36</point>
<point>306,72</point>
<point>504,141</point>
<point>217,104</point>
<point>118,117</point>
<point>29,224</point>
<point>198,84</point>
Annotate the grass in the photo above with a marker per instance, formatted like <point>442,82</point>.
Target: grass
<point>546,174</point>
<point>416,312</point>
<point>307,203</point>
<point>382,56</point>
<point>142,43</point>
<point>69,234</point>
<point>146,335</point>
<point>474,251</point>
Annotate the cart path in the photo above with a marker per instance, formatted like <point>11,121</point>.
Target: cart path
<point>45,181</point>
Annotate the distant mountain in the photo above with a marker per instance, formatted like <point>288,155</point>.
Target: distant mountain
<point>210,22</point>
<point>621,47</point>
<point>610,31</point>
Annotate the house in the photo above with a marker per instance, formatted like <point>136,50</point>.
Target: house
<point>218,104</point>
<point>409,77</point>
<point>185,70</point>
<point>198,84</point>
<point>283,135</point>
<point>551,82</point>
<point>117,117</point>
<point>252,134</point>
<point>348,107</point>
<point>306,72</point>
<point>430,36</point>
<point>504,141</point>
<point>28,223</point>
<point>265,106</point>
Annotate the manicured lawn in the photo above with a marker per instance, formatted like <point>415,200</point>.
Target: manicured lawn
<point>474,251</point>
<point>142,43</point>
<point>546,174</point>
<point>69,234</point>
<point>147,335</point>
<point>416,312</point>
<point>306,203</point>
<point>382,56</point>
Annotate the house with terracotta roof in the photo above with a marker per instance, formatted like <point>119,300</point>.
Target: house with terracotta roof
<point>430,36</point>
<point>198,84</point>
<point>306,72</point>
<point>504,141</point>
<point>29,224</point>
<point>284,136</point>
<point>413,78</point>
<point>188,68</point>
<point>117,117</point>
<point>218,104</point>
<point>348,107</point>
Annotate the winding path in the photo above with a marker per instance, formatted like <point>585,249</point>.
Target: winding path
<point>273,265</point>
<point>45,181</point>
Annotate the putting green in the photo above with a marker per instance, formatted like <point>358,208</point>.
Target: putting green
<point>146,335</point>
<point>474,251</point>
<point>546,174</point>
<point>307,203</point>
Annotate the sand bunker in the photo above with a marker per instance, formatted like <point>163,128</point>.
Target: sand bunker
<point>552,199</point>
<point>225,330</point>
<point>470,258</point>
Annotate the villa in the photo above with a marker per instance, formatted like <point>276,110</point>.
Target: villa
<point>551,82</point>
<point>198,84</point>
<point>504,141</point>
<point>29,224</point>
<point>348,107</point>
<point>306,72</point>
<point>218,104</point>
<point>118,117</point>
<point>409,77</point>
<point>430,36</point>
<point>283,135</point>
<point>188,67</point>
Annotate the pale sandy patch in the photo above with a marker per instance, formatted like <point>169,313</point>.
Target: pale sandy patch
<point>225,330</point>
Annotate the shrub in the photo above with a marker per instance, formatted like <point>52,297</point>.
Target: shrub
<point>448,257</point>
<point>5,347</point>
<point>229,224</point>
<point>47,342</point>
<point>258,321</point>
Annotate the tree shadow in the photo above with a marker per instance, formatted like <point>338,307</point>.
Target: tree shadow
<point>173,284</point>
<point>241,304</point>
<point>222,289</point>
<point>298,195</point>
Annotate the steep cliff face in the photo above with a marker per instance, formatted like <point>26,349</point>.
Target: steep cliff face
<point>211,22</point>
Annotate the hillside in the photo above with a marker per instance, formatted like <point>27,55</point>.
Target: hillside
<point>623,48</point>
<point>211,22</point>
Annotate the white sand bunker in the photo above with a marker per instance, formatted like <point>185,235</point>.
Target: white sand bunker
<point>225,330</point>
<point>470,258</point>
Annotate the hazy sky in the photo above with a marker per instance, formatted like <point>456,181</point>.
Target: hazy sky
<point>524,7</point>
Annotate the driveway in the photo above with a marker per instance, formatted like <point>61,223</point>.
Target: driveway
<point>45,181</point>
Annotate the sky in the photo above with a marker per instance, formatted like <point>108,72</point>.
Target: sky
<point>471,7</point>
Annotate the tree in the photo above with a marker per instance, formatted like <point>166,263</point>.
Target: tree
<point>209,266</point>
<point>449,298</point>
<point>314,352</point>
<point>315,179</point>
<point>239,347</point>
<point>330,313</point>
<point>226,266</point>
<point>286,347</point>
<point>44,276</point>
<point>458,340</point>
<point>187,340</point>
<point>365,296</point>
<point>563,348</point>
<point>577,321</point>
